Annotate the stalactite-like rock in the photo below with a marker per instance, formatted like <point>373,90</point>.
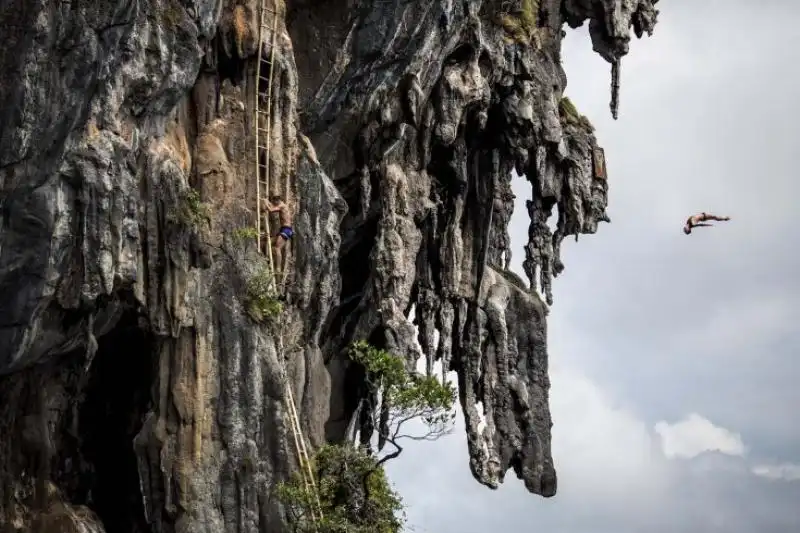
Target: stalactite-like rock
<point>610,22</point>
<point>127,184</point>
<point>440,191</point>
<point>615,66</point>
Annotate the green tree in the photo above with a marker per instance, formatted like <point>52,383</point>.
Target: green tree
<point>403,397</point>
<point>354,495</point>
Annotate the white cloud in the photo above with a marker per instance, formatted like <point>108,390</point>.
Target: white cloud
<point>601,450</point>
<point>613,475</point>
<point>779,472</point>
<point>584,414</point>
<point>608,465</point>
<point>695,435</point>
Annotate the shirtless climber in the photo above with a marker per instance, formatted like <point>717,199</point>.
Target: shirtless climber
<point>697,220</point>
<point>276,204</point>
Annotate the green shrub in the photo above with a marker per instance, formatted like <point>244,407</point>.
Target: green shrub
<point>521,23</point>
<point>567,108</point>
<point>354,495</point>
<point>262,305</point>
<point>192,211</point>
<point>241,235</point>
<point>172,13</point>
<point>570,115</point>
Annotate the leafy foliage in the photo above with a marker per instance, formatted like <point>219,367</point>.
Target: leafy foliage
<point>569,114</point>
<point>567,108</point>
<point>405,396</point>
<point>520,23</point>
<point>172,13</point>
<point>192,211</point>
<point>354,495</point>
<point>245,234</point>
<point>378,363</point>
<point>261,303</point>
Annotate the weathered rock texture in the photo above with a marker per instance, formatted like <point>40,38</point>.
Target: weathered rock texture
<point>136,394</point>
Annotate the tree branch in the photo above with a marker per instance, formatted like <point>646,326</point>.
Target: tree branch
<point>388,457</point>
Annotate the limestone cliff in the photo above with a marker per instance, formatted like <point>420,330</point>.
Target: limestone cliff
<point>137,394</point>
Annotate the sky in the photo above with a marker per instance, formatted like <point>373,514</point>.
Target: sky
<point>674,358</point>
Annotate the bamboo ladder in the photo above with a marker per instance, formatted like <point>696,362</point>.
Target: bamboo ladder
<point>262,146</point>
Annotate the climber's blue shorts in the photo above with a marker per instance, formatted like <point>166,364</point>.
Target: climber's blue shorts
<point>286,232</point>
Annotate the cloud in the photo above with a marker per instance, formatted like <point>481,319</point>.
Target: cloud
<point>596,439</point>
<point>615,475</point>
<point>695,435</point>
<point>608,461</point>
<point>779,472</point>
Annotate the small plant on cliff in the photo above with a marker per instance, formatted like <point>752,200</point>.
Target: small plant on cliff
<point>521,22</point>
<point>172,12</point>
<point>192,211</point>
<point>570,115</point>
<point>568,109</point>
<point>242,235</point>
<point>261,304</point>
<point>400,396</point>
<point>354,495</point>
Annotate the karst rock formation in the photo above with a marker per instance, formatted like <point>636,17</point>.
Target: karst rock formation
<point>137,394</point>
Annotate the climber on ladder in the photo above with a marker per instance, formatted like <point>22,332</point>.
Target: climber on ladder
<point>276,204</point>
<point>697,220</point>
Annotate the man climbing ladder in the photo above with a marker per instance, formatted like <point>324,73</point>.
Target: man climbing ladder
<point>268,202</point>
<point>276,204</point>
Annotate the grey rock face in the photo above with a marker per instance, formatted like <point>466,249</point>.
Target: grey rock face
<point>438,114</point>
<point>135,392</point>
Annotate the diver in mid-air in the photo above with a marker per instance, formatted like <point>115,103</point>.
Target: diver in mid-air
<point>698,220</point>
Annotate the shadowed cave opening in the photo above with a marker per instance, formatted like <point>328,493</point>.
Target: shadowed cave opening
<point>117,397</point>
<point>354,266</point>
